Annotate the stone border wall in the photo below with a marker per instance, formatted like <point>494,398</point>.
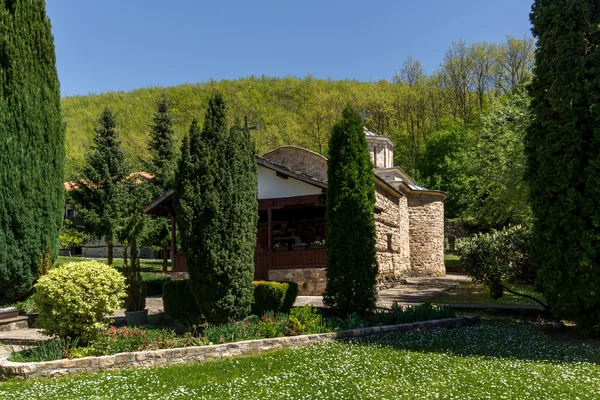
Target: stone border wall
<point>155,358</point>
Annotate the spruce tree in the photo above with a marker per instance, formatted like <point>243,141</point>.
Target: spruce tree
<point>351,258</point>
<point>563,150</point>
<point>162,146</point>
<point>217,211</point>
<point>162,166</point>
<point>32,147</point>
<point>100,194</point>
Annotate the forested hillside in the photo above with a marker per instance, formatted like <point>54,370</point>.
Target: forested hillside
<point>438,121</point>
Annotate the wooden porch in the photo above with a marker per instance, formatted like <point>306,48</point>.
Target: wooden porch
<point>290,234</point>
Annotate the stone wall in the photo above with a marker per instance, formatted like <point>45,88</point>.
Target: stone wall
<point>426,230</point>
<point>392,240</point>
<point>155,358</point>
<point>311,281</point>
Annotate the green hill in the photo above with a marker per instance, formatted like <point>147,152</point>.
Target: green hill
<point>289,111</point>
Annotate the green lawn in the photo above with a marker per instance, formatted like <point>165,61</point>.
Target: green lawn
<point>453,263</point>
<point>475,293</point>
<point>147,265</point>
<point>492,360</point>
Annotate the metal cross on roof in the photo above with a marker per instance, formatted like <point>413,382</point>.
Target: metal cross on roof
<point>363,114</point>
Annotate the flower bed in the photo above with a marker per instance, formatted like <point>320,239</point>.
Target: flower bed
<point>205,353</point>
<point>300,321</point>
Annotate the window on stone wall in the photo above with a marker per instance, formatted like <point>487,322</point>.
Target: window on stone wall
<point>389,242</point>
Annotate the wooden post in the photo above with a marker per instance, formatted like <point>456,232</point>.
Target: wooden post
<point>270,235</point>
<point>270,231</point>
<point>173,242</point>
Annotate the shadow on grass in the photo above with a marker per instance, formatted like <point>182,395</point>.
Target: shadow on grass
<point>522,340</point>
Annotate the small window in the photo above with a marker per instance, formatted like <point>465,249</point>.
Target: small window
<point>389,242</point>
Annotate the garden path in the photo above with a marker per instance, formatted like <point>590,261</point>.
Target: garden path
<point>416,290</point>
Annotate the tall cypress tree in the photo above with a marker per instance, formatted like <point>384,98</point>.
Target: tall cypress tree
<point>32,146</point>
<point>162,165</point>
<point>563,149</point>
<point>217,211</point>
<point>351,258</point>
<point>100,193</point>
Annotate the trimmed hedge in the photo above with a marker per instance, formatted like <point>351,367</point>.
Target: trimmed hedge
<point>273,296</point>
<point>154,282</point>
<point>179,301</point>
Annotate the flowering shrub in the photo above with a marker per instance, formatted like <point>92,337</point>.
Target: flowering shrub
<point>75,298</point>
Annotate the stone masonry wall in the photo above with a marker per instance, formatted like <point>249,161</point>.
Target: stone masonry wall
<point>392,241</point>
<point>426,230</point>
<point>311,281</point>
<point>155,358</point>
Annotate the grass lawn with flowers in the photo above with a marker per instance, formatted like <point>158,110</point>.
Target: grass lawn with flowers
<point>495,359</point>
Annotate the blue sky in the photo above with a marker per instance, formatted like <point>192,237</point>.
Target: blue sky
<point>113,45</point>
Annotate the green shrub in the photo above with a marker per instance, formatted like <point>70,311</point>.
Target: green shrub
<point>273,324</point>
<point>306,319</point>
<point>422,312</point>
<point>500,258</point>
<point>290,297</point>
<point>179,302</point>
<point>45,351</point>
<point>27,306</point>
<point>247,329</point>
<point>74,299</point>
<point>273,296</point>
<point>154,282</point>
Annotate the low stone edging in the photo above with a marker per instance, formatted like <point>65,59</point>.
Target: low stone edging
<point>152,358</point>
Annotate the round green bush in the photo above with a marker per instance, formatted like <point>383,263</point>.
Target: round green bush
<point>75,299</point>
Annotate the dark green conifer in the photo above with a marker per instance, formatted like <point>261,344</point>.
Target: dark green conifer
<point>563,149</point>
<point>32,147</point>
<point>217,211</point>
<point>100,194</point>
<point>162,146</point>
<point>161,166</point>
<point>351,257</point>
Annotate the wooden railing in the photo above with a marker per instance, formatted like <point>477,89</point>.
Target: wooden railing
<point>314,258</point>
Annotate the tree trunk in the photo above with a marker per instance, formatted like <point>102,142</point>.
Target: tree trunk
<point>164,254</point>
<point>110,253</point>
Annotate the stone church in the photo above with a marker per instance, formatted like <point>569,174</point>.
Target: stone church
<point>291,242</point>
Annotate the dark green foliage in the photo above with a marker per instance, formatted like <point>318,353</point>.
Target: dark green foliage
<point>154,282</point>
<point>161,146</point>
<point>351,260</point>
<point>290,296</point>
<point>135,288</point>
<point>563,150</point>
<point>99,193</point>
<point>179,301</point>
<point>422,312</point>
<point>500,258</point>
<point>217,211</point>
<point>273,296</point>
<point>32,147</point>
